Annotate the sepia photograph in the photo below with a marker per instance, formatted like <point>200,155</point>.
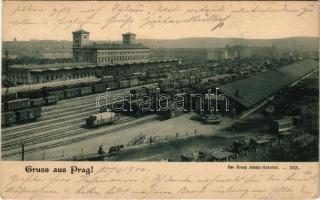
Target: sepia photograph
<point>159,100</point>
<point>160,81</point>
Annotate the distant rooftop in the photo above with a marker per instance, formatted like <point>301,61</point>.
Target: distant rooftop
<point>128,33</point>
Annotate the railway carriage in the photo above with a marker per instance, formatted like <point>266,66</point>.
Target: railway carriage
<point>70,93</point>
<point>36,102</point>
<point>34,113</point>
<point>8,118</point>
<point>99,87</point>
<point>85,91</point>
<point>101,119</point>
<point>134,82</point>
<point>124,83</point>
<point>59,95</point>
<point>113,85</point>
<point>50,100</point>
<point>29,114</point>
<point>9,97</point>
<point>170,113</point>
<point>17,104</point>
<point>107,79</point>
<point>139,92</point>
<point>30,94</point>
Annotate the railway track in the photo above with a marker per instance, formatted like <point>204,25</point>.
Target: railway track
<point>86,109</point>
<point>55,126</point>
<point>96,133</point>
<point>56,120</point>
<point>57,113</point>
<point>64,107</point>
<point>69,105</point>
<point>21,134</point>
<point>51,136</point>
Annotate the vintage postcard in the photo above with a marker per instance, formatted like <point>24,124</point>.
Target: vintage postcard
<point>159,100</point>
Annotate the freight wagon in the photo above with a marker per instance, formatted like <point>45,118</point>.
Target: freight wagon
<point>99,87</point>
<point>50,100</point>
<point>85,91</point>
<point>8,118</point>
<point>113,85</point>
<point>138,93</point>
<point>59,95</point>
<point>170,113</point>
<point>107,79</point>
<point>29,114</point>
<point>9,97</point>
<point>30,94</point>
<point>134,82</point>
<point>36,102</point>
<point>71,93</point>
<point>101,119</point>
<point>17,104</point>
<point>124,84</point>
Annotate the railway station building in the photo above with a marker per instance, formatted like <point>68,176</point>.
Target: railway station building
<point>108,53</point>
<point>33,74</point>
<point>90,59</point>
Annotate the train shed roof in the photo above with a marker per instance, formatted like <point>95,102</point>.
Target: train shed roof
<point>82,65</point>
<point>254,89</point>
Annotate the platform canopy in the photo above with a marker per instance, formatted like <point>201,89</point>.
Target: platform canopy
<point>254,89</point>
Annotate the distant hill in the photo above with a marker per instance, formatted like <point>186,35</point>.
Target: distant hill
<point>294,43</point>
<point>35,47</point>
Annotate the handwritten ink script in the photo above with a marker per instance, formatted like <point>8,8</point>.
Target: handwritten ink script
<point>149,180</point>
<point>141,16</point>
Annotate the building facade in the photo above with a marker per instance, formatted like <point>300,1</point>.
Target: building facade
<point>34,74</point>
<point>240,52</point>
<point>90,60</point>
<point>108,53</point>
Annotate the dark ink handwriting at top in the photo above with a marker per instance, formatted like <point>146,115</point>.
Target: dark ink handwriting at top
<point>26,8</point>
<point>205,9</point>
<point>164,9</point>
<point>117,19</point>
<point>117,8</point>
<point>58,12</point>
<point>215,19</point>
<point>23,22</point>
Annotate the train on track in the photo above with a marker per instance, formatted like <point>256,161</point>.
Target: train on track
<point>170,79</point>
<point>101,119</point>
<point>20,111</point>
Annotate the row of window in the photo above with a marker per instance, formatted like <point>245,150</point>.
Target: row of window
<point>47,78</point>
<point>122,58</point>
<point>123,52</point>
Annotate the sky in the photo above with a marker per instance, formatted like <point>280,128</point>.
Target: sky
<point>159,20</point>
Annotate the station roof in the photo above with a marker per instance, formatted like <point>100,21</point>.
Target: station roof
<point>254,89</point>
<point>82,65</point>
<point>52,67</point>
